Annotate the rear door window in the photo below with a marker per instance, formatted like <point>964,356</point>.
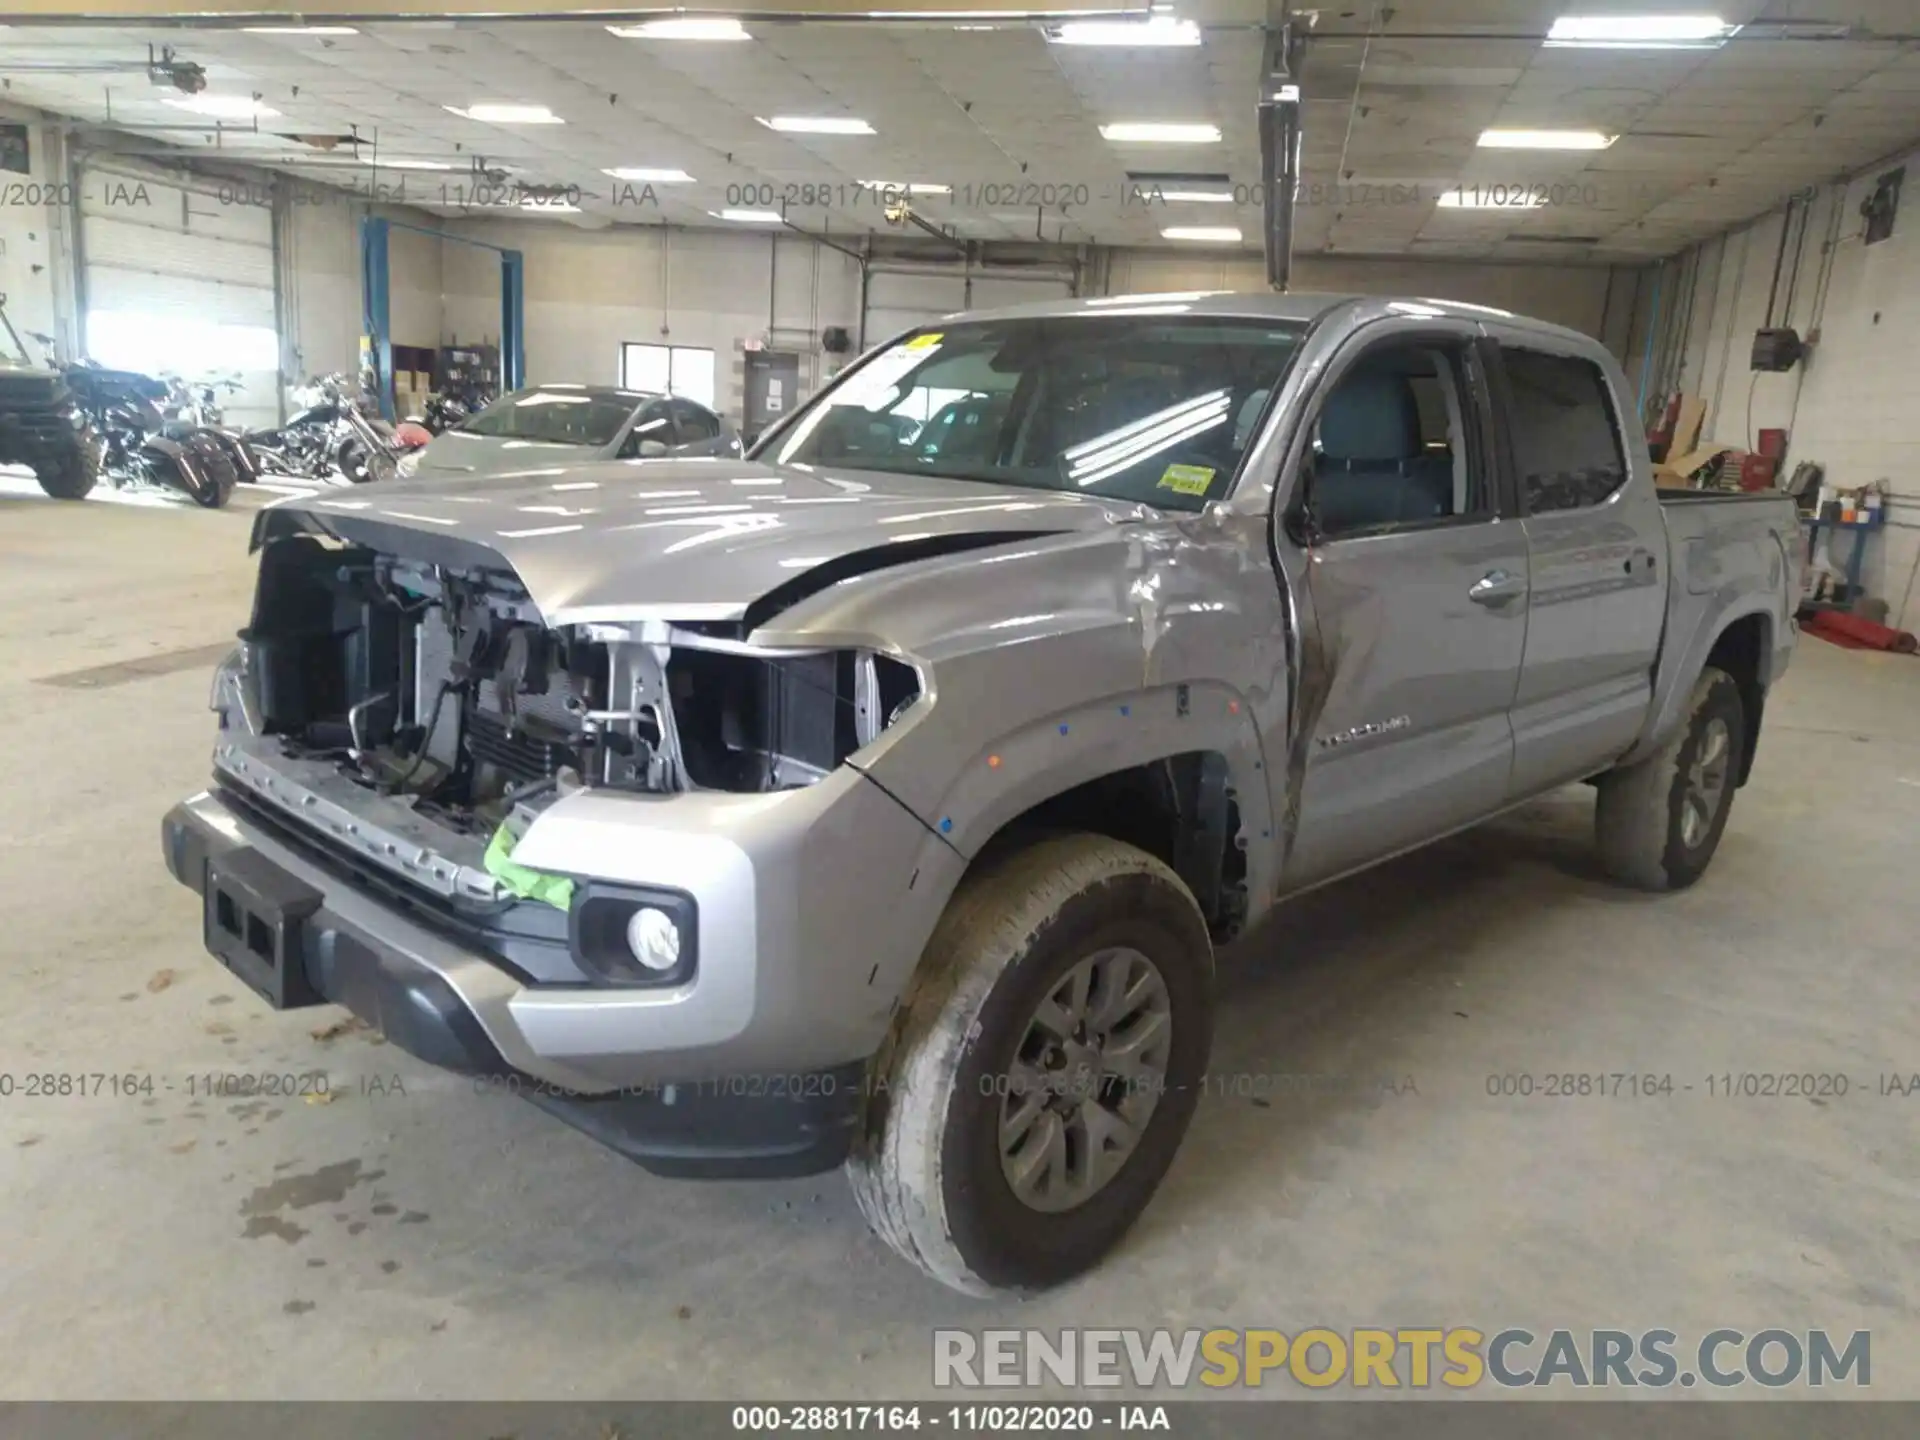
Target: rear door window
<point>1566,441</point>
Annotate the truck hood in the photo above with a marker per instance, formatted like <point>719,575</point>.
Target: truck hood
<point>458,453</point>
<point>685,539</point>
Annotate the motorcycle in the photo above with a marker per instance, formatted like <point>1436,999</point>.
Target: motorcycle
<point>123,409</point>
<point>194,406</point>
<point>331,436</point>
<point>445,412</point>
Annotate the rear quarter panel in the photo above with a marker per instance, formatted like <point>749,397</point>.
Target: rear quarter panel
<point>1728,557</point>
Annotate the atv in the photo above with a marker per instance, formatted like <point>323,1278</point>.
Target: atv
<point>42,426</point>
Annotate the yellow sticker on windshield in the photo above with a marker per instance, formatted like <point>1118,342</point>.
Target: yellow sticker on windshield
<point>1187,479</point>
<point>924,342</point>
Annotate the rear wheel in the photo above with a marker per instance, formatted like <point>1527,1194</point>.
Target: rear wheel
<point>217,493</point>
<point>72,473</point>
<point>1659,821</point>
<point>217,468</point>
<point>1043,1069</point>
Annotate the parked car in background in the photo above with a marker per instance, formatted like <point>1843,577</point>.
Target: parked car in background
<point>566,424</point>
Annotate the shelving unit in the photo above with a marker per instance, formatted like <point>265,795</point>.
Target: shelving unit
<point>1856,552</point>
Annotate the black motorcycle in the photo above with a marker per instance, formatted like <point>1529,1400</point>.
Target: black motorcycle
<point>331,438</point>
<point>123,408</point>
<point>445,412</point>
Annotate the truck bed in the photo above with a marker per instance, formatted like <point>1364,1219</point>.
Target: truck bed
<point>1729,555</point>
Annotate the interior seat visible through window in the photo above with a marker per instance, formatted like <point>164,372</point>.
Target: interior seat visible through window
<point>1377,465</point>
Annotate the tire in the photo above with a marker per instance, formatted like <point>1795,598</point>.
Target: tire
<point>926,1167</point>
<point>73,475</point>
<point>216,497</point>
<point>354,462</point>
<point>217,465</point>
<point>1647,838</point>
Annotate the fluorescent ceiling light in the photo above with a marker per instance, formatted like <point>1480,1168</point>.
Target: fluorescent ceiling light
<point>405,164</point>
<point>491,112</point>
<point>750,217</point>
<point>1191,197</point>
<point>683,27</point>
<point>901,187</point>
<point>1156,30</point>
<point>549,207</point>
<point>223,107</point>
<point>1545,139</point>
<point>646,175</point>
<point>1155,132</point>
<point>1219,234</point>
<point>1493,197</point>
<point>816,124</point>
<point>299,30</point>
<point>1641,32</point>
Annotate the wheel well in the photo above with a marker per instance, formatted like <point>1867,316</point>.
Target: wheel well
<point>1740,651</point>
<point>1180,809</point>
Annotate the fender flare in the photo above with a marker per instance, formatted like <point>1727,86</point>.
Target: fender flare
<point>1673,688</point>
<point>1050,755</point>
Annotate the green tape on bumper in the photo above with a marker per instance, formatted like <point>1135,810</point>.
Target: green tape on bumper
<point>554,890</point>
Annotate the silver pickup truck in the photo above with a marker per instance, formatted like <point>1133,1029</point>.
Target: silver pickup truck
<point>880,799</point>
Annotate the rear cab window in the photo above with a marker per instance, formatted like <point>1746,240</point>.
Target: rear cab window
<point>1564,434</point>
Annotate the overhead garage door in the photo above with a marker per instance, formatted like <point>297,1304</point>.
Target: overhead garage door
<point>178,276</point>
<point>898,300</point>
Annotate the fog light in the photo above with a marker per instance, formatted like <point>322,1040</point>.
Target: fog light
<point>653,938</point>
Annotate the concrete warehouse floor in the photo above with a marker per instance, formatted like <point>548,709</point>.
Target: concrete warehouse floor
<point>443,1243</point>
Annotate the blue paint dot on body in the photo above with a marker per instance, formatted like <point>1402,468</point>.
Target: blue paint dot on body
<point>1126,710</point>
<point>946,824</point>
<point>1063,729</point>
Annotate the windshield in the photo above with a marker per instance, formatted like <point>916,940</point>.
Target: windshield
<point>1155,408</point>
<point>559,417</point>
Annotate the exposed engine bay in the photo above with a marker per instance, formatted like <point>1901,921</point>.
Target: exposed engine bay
<point>443,688</point>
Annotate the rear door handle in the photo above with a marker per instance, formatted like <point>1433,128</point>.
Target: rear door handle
<point>1496,587</point>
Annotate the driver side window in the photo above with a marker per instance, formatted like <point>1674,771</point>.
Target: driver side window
<point>1394,445</point>
<point>654,425</point>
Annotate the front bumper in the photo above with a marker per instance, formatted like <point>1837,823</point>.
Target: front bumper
<point>749,1101</point>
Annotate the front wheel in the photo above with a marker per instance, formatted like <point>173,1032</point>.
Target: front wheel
<point>1042,1070</point>
<point>1658,821</point>
<point>71,475</point>
<point>380,465</point>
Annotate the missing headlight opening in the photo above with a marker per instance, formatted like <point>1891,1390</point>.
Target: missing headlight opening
<point>445,688</point>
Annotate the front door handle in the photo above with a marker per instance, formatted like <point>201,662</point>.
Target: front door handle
<point>1496,587</point>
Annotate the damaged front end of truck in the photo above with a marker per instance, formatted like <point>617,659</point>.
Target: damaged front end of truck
<point>419,708</point>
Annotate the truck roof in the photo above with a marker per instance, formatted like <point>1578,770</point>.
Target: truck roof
<point>1299,307</point>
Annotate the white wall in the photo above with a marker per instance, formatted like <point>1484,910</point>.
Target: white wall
<point>1851,405</point>
<point>320,281</point>
<point>36,263</point>
<point>587,291</point>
